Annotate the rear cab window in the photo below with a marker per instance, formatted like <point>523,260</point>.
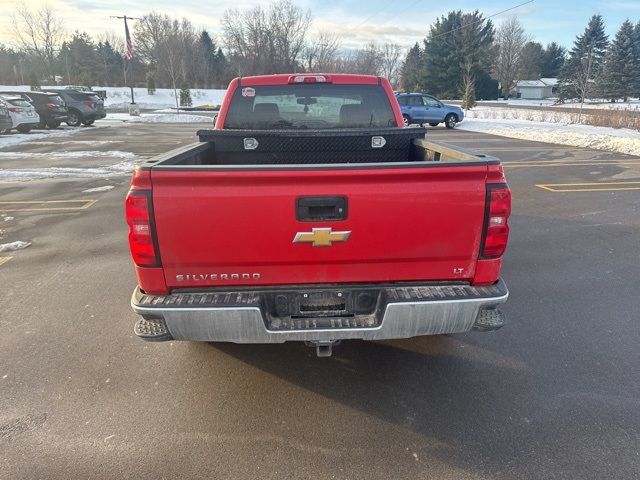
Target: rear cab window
<point>311,105</point>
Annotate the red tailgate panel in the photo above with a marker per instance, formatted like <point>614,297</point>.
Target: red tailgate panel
<point>406,224</point>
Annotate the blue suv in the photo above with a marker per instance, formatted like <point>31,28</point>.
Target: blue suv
<point>421,108</point>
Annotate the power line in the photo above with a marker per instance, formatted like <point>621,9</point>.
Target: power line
<point>481,20</point>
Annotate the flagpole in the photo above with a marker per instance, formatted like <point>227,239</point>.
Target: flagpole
<point>128,54</point>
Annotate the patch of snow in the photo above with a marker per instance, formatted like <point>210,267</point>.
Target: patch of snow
<point>122,168</point>
<point>70,154</point>
<point>106,188</point>
<point>8,140</point>
<point>599,138</point>
<point>161,118</point>
<point>6,218</point>
<point>74,142</point>
<point>10,247</point>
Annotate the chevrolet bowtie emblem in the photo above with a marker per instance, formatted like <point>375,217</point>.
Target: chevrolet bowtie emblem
<point>321,237</point>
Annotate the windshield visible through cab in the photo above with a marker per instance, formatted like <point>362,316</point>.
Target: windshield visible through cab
<point>313,106</point>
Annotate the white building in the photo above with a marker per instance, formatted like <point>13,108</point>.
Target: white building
<point>536,89</point>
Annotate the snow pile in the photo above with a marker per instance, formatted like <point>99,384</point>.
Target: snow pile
<point>10,247</point>
<point>106,188</point>
<point>161,118</point>
<point>599,138</point>
<point>119,97</point>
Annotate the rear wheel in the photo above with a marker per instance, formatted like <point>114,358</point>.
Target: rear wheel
<point>23,129</point>
<point>86,123</point>
<point>74,118</point>
<point>434,124</point>
<point>53,124</point>
<point>407,120</point>
<point>450,120</point>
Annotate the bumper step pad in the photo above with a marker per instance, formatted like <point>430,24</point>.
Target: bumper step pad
<point>153,330</point>
<point>489,319</point>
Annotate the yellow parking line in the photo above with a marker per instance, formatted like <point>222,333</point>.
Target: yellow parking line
<point>560,164</point>
<point>4,260</point>
<point>524,149</point>
<point>590,187</point>
<point>23,205</point>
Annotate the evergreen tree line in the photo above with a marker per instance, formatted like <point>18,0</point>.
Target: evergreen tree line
<point>465,56</point>
<point>599,68</point>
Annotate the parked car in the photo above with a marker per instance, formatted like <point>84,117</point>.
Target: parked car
<point>50,106</point>
<point>5,119</point>
<point>422,108</point>
<point>84,107</point>
<point>309,214</point>
<point>23,115</point>
<point>81,88</point>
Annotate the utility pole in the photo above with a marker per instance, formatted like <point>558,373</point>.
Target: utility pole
<point>128,55</point>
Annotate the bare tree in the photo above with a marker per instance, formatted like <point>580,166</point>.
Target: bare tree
<point>510,38</point>
<point>320,53</point>
<point>468,86</point>
<point>390,54</point>
<point>39,33</point>
<point>261,41</point>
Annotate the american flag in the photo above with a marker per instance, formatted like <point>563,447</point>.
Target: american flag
<point>127,41</point>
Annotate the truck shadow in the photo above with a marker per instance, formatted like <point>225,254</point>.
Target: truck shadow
<point>460,398</point>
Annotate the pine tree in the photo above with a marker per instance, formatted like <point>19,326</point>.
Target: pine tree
<point>553,59</point>
<point>410,70</point>
<point>636,38</point>
<point>531,58</point>
<point>185,95</point>
<point>620,68</point>
<point>585,61</point>
<point>453,41</point>
<point>151,84</point>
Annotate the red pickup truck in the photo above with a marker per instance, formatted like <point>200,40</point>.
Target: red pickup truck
<point>310,213</point>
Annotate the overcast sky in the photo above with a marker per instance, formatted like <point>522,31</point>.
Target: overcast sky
<point>357,21</point>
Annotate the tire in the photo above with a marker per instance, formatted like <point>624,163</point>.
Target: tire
<point>23,129</point>
<point>407,120</point>
<point>450,120</point>
<point>53,124</point>
<point>87,123</point>
<point>434,124</point>
<point>74,119</point>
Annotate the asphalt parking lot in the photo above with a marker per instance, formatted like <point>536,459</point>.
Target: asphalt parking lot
<point>553,395</point>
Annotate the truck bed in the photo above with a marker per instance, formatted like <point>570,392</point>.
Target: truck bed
<point>298,147</point>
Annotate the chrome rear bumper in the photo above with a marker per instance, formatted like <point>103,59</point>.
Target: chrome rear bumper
<point>245,317</point>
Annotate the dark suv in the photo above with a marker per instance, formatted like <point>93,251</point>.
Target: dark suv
<point>84,107</point>
<point>50,106</point>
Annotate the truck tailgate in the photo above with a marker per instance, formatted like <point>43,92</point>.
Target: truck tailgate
<point>237,226</point>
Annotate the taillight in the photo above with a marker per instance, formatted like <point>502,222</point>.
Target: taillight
<point>16,109</point>
<point>141,229</point>
<point>496,233</point>
<point>88,103</point>
<point>51,106</point>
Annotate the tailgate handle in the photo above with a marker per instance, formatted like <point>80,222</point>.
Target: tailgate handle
<point>314,209</point>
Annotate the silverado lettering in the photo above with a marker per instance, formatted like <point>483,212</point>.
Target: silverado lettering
<point>329,155</point>
<point>216,276</point>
